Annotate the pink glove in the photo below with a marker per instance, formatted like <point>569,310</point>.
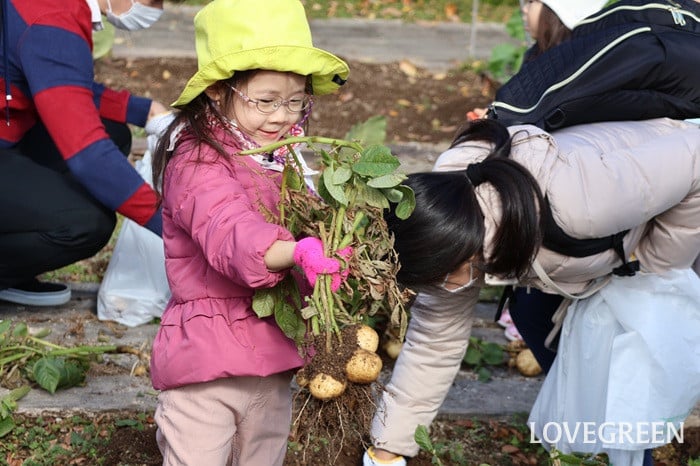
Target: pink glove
<point>308,254</point>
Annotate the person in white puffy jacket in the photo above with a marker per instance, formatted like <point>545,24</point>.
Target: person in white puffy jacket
<point>478,220</point>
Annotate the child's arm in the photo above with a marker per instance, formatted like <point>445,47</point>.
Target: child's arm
<point>280,256</point>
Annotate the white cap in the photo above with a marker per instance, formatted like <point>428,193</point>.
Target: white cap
<point>572,12</point>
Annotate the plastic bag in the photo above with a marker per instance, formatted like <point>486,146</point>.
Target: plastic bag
<point>135,288</point>
<point>627,371</point>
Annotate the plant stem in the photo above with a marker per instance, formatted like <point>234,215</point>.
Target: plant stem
<point>303,139</point>
<point>83,350</point>
<point>347,239</point>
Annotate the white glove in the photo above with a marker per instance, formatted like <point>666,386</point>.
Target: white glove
<point>155,127</point>
<point>370,460</point>
<point>159,123</point>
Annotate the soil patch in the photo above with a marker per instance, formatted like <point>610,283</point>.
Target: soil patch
<point>419,106</point>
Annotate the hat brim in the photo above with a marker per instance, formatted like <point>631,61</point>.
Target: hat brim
<point>327,71</point>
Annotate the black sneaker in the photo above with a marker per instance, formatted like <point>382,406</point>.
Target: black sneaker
<point>36,293</point>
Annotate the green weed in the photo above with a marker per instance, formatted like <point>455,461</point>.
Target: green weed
<point>482,354</point>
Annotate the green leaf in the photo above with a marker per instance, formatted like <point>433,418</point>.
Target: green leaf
<point>334,190</point>
<point>484,374</point>
<point>18,393</point>
<point>4,326</point>
<point>515,26</point>
<point>73,373</point>
<point>341,175</point>
<point>493,354</point>
<point>370,196</point>
<point>393,195</point>
<point>264,302</point>
<point>127,423</point>
<point>387,181</point>
<point>472,356</point>
<point>54,373</point>
<point>7,407</point>
<point>405,207</point>
<point>292,179</point>
<point>369,132</point>
<point>6,426</point>
<point>47,373</point>
<point>422,438</point>
<point>102,41</point>
<point>20,330</point>
<point>288,320</point>
<point>376,161</point>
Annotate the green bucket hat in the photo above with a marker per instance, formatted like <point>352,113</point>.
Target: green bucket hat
<point>238,35</point>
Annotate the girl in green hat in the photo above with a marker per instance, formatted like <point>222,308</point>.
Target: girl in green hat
<point>224,373</point>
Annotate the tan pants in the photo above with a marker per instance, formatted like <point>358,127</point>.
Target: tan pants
<point>241,421</point>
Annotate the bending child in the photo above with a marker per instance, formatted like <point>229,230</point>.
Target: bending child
<point>225,373</point>
<point>597,180</point>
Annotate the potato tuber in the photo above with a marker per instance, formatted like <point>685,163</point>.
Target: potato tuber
<point>527,364</point>
<point>392,347</point>
<point>367,338</point>
<point>326,387</point>
<point>363,367</point>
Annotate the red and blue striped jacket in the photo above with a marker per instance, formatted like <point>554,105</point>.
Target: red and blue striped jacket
<point>47,58</point>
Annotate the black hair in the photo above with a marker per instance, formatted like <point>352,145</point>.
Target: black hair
<point>447,225</point>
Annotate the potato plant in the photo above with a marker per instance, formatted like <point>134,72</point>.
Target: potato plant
<point>354,187</point>
<point>356,183</point>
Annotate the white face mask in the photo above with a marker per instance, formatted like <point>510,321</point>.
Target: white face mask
<point>460,287</point>
<point>137,17</point>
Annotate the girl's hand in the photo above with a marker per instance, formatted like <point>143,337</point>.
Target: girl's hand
<point>308,254</point>
<point>156,109</point>
<point>476,114</point>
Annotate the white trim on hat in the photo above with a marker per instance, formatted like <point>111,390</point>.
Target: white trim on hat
<point>572,12</point>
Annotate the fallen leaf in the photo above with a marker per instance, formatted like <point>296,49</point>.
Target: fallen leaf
<point>346,96</point>
<point>451,11</point>
<point>510,449</point>
<point>392,12</point>
<point>408,68</point>
<point>332,10</point>
<point>404,102</point>
<point>439,76</point>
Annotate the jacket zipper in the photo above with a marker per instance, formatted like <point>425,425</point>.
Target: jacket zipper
<point>677,12</point>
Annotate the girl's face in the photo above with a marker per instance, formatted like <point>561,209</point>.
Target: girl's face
<point>265,87</point>
<point>531,16</point>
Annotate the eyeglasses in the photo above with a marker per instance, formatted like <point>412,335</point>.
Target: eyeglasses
<point>268,106</point>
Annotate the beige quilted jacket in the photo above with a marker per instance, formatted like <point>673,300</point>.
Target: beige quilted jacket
<point>600,179</point>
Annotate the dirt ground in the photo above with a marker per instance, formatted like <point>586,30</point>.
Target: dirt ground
<point>420,107</point>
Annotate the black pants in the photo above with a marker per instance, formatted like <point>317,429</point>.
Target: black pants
<point>532,314</point>
<point>47,219</point>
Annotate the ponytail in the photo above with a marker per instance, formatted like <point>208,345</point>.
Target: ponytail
<point>447,225</point>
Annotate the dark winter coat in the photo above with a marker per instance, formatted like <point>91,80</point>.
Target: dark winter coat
<point>633,60</point>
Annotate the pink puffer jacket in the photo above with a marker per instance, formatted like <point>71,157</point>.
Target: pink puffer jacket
<point>215,237</point>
